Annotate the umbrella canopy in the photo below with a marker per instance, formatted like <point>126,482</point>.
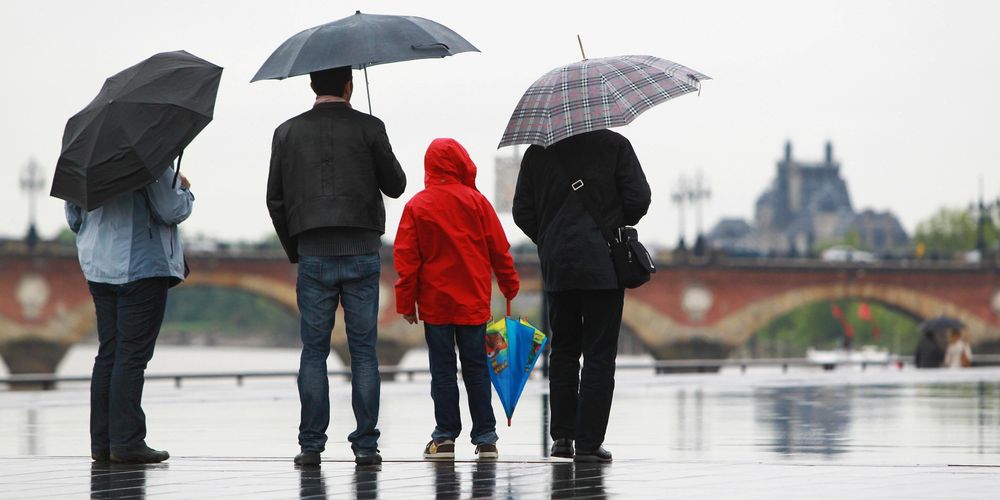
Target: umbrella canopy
<point>360,41</point>
<point>941,323</point>
<point>141,120</point>
<point>595,94</point>
<point>512,348</point>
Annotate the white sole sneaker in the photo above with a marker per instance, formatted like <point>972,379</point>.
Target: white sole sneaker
<point>440,451</point>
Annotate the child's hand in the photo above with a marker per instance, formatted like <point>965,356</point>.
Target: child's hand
<point>410,318</point>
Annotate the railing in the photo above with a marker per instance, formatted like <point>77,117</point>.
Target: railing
<point>48,381</point>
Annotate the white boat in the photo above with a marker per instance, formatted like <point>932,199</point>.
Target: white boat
<point>867,354</point>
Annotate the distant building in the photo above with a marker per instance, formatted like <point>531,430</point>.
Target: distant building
<point>733,236</point>
<point>880,231</point>
<point>506,169</point>
<point>807,206</point>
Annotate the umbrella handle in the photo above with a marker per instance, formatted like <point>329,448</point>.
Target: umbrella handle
<point>508,307</point>
<point>180,156</point>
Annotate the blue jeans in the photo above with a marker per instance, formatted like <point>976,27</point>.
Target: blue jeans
<point>128,323</point>
<point>323,283</point>
<point>441,340</point>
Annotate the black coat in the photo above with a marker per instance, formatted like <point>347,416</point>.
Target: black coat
<point>329,168</point>
<point>573,253</point>
<point>929,353</point>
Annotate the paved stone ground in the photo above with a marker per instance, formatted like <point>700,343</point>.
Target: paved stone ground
<point>822,435</point>
<point>191,477</point>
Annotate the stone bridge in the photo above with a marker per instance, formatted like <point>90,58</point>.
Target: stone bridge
<point>702,309</point>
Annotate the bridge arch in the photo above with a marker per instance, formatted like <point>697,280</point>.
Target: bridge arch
<point>667,337</point>
<point>395,335</point>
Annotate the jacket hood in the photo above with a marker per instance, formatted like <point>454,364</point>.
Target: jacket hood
<point>447,162</point>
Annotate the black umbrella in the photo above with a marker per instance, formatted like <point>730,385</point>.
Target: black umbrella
<point>941,323</point>
<point>141,120</point>
<point>360,41</point>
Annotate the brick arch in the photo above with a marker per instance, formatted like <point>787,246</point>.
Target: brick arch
<point>737,328</point>
<point>662,334</point>
<point>67,326</point>
<point>395,335</point>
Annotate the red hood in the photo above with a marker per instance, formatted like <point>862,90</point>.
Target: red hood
<point>447,162</point>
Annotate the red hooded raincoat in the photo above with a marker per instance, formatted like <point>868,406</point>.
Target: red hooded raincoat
<point>448,241</point>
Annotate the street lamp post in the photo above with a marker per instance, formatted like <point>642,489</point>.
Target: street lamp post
<point>698,192</point>
<point>679,196</point>
<point>32,182</point>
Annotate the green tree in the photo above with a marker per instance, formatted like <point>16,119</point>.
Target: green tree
<point>814,325</point>
<point>66,237</point>
<point>954,230</point>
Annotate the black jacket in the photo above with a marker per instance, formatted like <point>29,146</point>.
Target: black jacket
<point>328,166</point>
<point>929,353</point>
<point>573,253</point>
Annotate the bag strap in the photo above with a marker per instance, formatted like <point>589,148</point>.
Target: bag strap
<point>589,205</point>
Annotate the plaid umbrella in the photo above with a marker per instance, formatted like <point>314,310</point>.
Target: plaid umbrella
<point>595,94</point>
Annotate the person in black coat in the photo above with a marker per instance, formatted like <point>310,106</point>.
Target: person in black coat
<point>330,167</point>
<point>929,352</point>
<point>581,288</point>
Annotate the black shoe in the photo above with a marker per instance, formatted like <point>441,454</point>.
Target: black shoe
<point>487,451</point>
<point>367,457</point>
<point>101,456</point>
<point>141,455</point>
<point>598,455</point>
<point>307,458</point>
<point>562,448</point>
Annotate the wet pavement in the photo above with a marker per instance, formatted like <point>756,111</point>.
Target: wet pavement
<point>873,434</point>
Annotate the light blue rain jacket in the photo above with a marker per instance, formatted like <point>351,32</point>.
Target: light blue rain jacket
<point>133,236</point>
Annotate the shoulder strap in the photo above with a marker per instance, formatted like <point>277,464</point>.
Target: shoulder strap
<point>576,186</point>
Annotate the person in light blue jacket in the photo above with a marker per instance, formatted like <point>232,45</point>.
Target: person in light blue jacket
<point>130,252</point>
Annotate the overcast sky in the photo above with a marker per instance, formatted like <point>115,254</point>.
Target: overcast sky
<point>906,90</point>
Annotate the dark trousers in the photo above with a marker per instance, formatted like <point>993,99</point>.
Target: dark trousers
<point>471,341</point>
<point>583,322</point>
<point>323,284</point>
<point>128,322</point>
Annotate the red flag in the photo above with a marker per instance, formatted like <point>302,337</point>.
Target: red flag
<point>835,310</point>
<point>864,312</point>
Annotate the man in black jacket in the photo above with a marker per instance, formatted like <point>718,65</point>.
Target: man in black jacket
<point>329,169</point>
<point>584,299</point>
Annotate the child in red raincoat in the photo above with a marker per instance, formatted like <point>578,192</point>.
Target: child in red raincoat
<point>448,245</point>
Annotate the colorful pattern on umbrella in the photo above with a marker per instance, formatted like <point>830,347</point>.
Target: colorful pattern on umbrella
<point>512,348</point>
<point>595,94</point>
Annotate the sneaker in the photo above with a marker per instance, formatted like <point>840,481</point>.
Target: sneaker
<point>141,455</point>
<point>438,449</point>
<point>562,448</point>
<point>487,451</point>
<point>307,458</point>
<point>599,455</point>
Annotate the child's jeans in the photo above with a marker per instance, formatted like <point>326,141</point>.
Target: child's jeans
<point>441,341</point>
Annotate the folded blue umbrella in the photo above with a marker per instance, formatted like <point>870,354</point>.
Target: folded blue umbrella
<point>512,348</point>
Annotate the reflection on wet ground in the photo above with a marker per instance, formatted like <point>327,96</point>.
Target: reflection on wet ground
<point>873,434</point>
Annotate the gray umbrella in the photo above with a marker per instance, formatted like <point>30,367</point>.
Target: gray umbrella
<point>941,323</point>
<point>360,41</point>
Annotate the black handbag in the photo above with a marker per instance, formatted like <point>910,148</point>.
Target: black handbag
<point>632,263</point>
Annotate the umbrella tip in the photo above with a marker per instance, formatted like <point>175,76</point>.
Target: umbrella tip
<point>508,422</point>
